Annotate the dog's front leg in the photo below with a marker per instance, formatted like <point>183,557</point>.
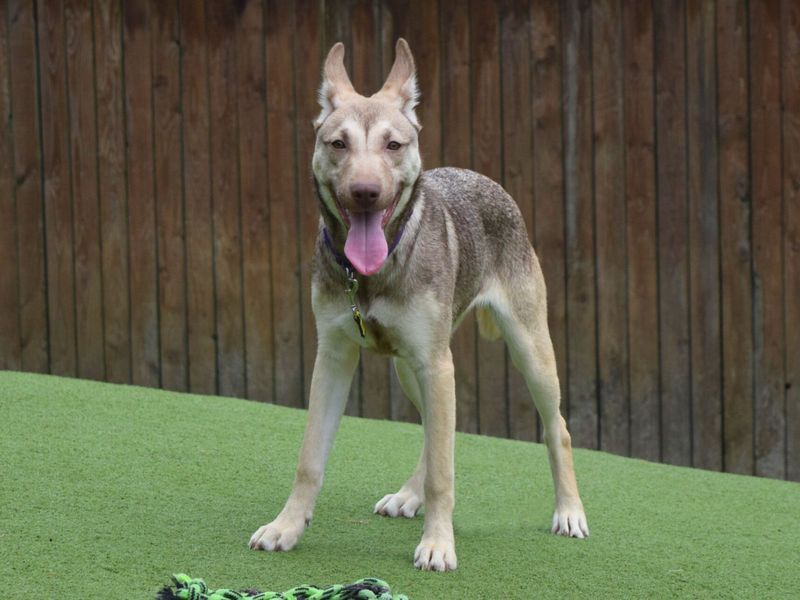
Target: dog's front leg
<point>437,550</point>
<point>333,372</point>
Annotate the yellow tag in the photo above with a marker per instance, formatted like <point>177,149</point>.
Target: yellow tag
<point>362,329</point>
<point>352,288</point>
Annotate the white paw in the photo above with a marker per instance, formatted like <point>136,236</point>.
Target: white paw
<point>404,503</point>
<point>280,535</point>
<point>436,555</point>
<point>570,521</point>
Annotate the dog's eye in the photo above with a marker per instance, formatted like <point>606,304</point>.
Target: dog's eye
<point>393,145</point>
<point>338,144</point>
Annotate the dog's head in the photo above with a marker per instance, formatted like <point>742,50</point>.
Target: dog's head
<point>366,158</point>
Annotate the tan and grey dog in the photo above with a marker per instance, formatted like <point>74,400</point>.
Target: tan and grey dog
<point>417,250</point>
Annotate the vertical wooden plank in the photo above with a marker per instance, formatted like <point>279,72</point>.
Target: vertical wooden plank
<point>200,298</point>
<point>765,166</point>
<point>111,190</point>
<point>457,152</point>
<point>59,206</point>
<point>487,159</point>
<point>548,173</point>
<point>141,205</point>
<point>610,215</point>
<point>34,340</point>
<point>220,29</point>
<point>284,224</point>
<point>790,56</point>
<point>640,191</point>
<point>251,97</point>
<point>57,197</point>
<point>581,285</point>
<point>169,197</point>
<point>308,49</point>
<point>735,249</point>
<point>83,165</point>
<point>517,179</point>
<point>366,77</point>
<point>670,66</point>
<point>10,357</point>
<point>703,236</point>
<point>423,37</point>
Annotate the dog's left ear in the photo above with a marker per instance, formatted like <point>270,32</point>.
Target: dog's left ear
<point>401,84</point>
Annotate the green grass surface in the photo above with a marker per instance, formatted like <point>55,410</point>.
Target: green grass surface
<point>106,490</point>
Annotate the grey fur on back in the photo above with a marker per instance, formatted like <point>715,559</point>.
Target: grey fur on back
<point>489,231</point>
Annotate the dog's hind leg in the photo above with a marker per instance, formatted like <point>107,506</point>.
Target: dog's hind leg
<point>409,498</point>
<point>520,309</point>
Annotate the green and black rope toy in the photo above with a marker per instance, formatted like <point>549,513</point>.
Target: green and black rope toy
<point>185,588</point>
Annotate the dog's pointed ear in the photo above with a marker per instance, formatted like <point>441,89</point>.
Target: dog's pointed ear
<point>336,86</point>
<point>401,84</point>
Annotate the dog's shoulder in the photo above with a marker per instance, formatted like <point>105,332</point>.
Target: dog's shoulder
<point>453,183</point>
<point>466,194</point>
<point>475,202</point>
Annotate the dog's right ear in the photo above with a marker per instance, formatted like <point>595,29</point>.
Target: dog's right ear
<point>336,86</point>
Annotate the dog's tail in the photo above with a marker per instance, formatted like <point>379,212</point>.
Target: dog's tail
<point>487,326</point>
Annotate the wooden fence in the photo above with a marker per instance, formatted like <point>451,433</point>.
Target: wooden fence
<point>157,216</point>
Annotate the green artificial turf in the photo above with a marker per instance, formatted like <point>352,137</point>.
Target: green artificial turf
<point>107,489</point>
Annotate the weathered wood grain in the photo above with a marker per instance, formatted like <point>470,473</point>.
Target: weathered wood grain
<point>284,226</point>
<point>704,260</point>
<point>168,123</point>
<point>581,313</point>
<point>790,52</point>
<point>10,351</point>
<point>735,245</point>
<point>34,336</point>
<point>611,240</point>
<point>142,225</point>
<point>766,228</point>
<point>253,177</point>
<point>673,235</point>
<point>220,30</point>
<point>641,231</point>
<point>112,190</point>
<point>197,173</point>
<point>58,206</point>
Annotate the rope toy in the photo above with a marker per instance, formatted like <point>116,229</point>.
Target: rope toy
<point>186,588</point>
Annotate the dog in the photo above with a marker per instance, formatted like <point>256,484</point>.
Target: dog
<point>401,257</point>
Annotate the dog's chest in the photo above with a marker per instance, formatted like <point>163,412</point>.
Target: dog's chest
<point>389,325</point>
<point>381,338</point>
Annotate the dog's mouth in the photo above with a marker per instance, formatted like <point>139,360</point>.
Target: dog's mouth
<point>366,246</point>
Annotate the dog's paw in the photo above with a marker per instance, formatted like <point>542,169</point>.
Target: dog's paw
<point>436,555</point>
<point>404,503</point>
<point>280,535</point>
<point>570,521</point>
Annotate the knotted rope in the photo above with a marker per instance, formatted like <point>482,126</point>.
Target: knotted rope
<point>185,588</point>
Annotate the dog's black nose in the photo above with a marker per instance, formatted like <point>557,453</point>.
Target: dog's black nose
<point>365,194</point>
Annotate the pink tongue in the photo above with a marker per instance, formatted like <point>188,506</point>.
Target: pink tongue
<point>366,245</point>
